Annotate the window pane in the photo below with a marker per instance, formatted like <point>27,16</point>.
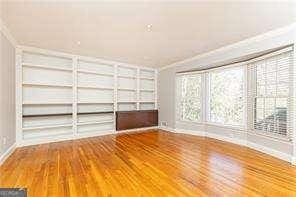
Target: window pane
<point>270,103</point>
<point>260,67</point>
<point>270,90</point>
<point>269,114</point>
<point>259,114</point>
<point>283,90</point>
<point>271,99</point>
<point>261,90</point>
<point>261,79</point>
<point>271,78</point>
<point>281,102</point>
<point>226,96</point>
<point>260,103</point>
<point>271,65</point>
<point>283,76</point>
<point>190,97</point>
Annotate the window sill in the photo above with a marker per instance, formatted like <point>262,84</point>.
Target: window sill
<point>270,136</point>
<point>238,128</point>
<point>190,122</point>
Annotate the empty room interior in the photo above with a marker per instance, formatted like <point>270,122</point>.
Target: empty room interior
<point>147,98</point>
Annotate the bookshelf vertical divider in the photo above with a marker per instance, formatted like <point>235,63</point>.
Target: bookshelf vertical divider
<point>18,96</point>
<point>74,89</point>
<point>155,89</point>
<point>138,89</point>
<point>115,94</point>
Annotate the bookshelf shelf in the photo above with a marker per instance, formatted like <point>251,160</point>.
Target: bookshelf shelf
<point>147,78</point>
<point>94,72</point>
<point>95,87</point>
<point>47,85</point>
<point>46,127</point>
<point>127,77</point>
<point>147,90</point>
<point>95,122</point>
<point>46,67</point>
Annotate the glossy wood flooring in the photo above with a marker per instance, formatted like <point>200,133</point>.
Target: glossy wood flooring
<point>152,163</point>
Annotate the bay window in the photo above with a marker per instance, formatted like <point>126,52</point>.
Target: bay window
<point>254,95</point>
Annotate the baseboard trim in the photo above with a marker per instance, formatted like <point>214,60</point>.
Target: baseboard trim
<point>191,132</point>
<point>78,136</point>
<point>260,148</point>
<point>241,142</point>
<point>269,151</point>
<point>294,160</point>
<point>6,154</point>
<point>45,140</point>
<point>211,135</point>
<point>136,130</point>
<point>169,129</point>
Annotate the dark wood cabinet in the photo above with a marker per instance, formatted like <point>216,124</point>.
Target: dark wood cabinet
<point>136,119</point>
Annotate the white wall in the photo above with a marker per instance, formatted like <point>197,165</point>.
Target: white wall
<point>7,96</point>
<point>270,40</point>
<point>166,98</point>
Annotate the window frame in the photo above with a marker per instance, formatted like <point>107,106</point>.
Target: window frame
<point>243,126</point>
<point>253,88</point>
<point>179,98</point>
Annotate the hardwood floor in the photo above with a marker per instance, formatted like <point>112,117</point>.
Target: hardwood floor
<point>152,163</point>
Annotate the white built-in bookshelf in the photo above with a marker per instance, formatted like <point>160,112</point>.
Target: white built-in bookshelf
<point>66,96</point>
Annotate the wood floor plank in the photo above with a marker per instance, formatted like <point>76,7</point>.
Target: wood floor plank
<point>151,163</point>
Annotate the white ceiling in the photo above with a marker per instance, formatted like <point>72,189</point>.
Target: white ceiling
<point>118,31</point>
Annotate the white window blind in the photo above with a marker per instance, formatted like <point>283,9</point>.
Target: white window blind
<point>227,96</point>
<point>190,97</point>
<point>270,92</point>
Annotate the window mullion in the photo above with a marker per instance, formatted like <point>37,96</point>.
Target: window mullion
<point>206,97</point>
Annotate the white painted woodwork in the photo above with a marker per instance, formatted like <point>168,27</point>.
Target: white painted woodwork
<point>58,83</point>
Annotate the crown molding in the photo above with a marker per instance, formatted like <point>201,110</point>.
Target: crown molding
<point>7,33</point>
<point>244,42</point>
